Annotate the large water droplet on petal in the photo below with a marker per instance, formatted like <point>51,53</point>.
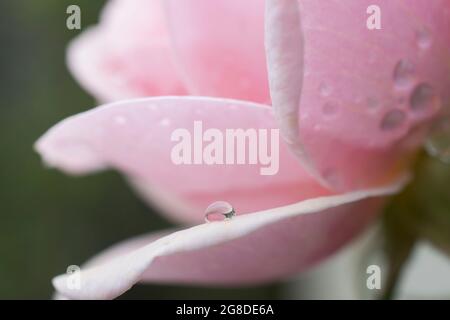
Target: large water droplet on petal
<point>423,98</point>
<point>403,74</point>
<point>218,211</point>
<point>393,120</point>
<point>438,142</point>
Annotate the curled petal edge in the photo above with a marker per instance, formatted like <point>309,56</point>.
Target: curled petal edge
<point>128,269</point>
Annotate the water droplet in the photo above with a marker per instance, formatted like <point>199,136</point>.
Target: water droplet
<point>120,120</point>
<point>329,109</point>
<point>392,120</point>
<point>438,142</point>
<point>403,74</point>
<point>424,38</point>
<point>325,89</point>
<point>218,211</point>
<point>165,122</point>
<point>423,98</point>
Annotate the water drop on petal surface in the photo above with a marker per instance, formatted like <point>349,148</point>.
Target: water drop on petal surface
<point>424,38</point>
<point>218,211</point>
<point>403,74</point>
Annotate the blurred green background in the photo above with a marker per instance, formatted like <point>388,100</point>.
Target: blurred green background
<point>48,220</point>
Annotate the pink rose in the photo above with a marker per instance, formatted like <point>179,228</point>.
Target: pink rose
<point>366,96</point>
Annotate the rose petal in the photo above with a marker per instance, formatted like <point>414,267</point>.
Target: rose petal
<point>220,46</point>
<point>134,137</point>
<point>257,247</point>
<point>367,95</point>
<point>127,55</point>
<point>118,250</point>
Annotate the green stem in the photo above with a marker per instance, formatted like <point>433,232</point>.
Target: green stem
<point>396,265</point>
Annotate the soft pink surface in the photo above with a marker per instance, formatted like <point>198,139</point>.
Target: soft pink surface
<point>220,47</point>
<point>128,54</point>
<point>333,85</point>
<point>301,223</point>
<point>147,48</point>
<point>248,249</point>
<point>135,138</point>
<point>349,85</point>
<point>273,252</point>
